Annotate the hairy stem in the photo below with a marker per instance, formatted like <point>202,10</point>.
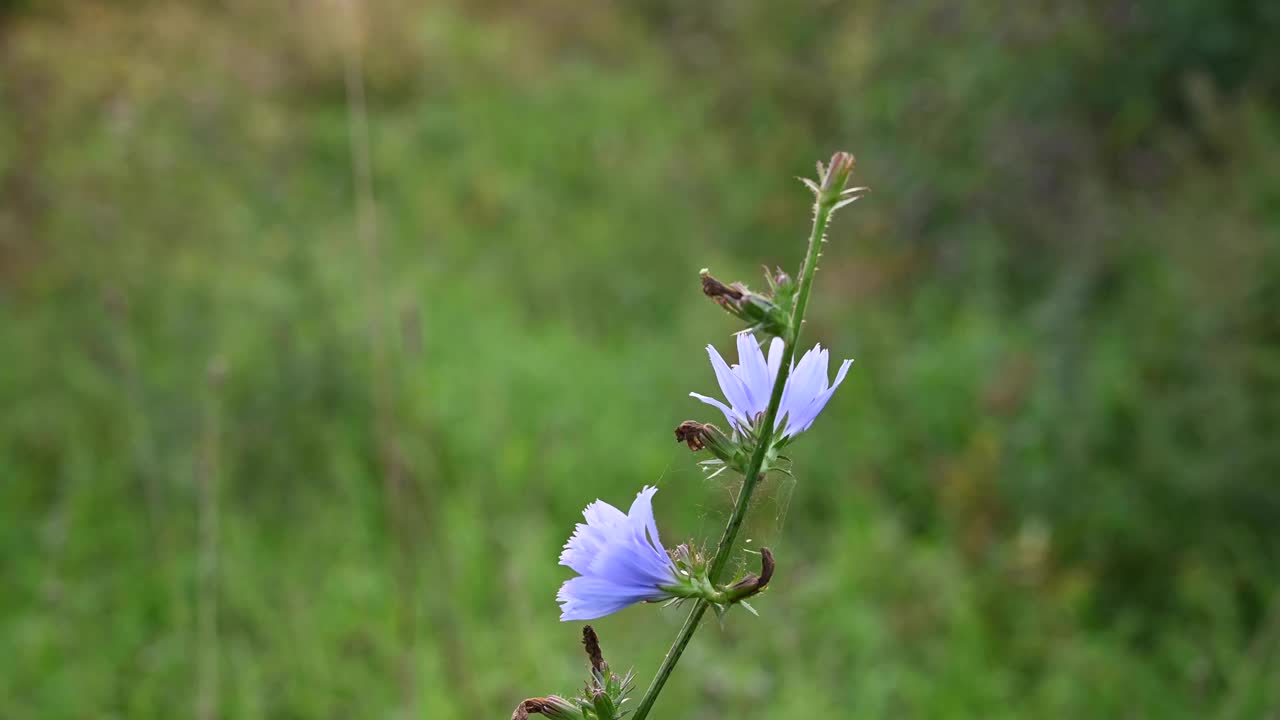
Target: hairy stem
<point>822,215</point>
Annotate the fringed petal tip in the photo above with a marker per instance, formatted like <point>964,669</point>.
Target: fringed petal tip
<point>619,559</point>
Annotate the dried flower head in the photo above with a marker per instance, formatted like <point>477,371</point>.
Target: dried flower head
<point>690,432</point>
<point>591,642</point>
<point>552,707</point>
<point>768,313</point>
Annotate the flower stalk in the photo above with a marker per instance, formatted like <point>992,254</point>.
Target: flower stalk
<point>829,195</point>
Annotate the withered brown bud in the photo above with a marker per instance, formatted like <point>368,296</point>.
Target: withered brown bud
<point>766,568</point>
<point>752,584</point>
<point>591,642</point>
<point>760,312</point>
<point>693,434</point>
<point>705,436</point>
<point>531,706</point>
<point>729,297</point>
<point>720,292</point>
<point>552,707</point>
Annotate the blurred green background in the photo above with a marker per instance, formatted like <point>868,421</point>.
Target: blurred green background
<point>283,438</point>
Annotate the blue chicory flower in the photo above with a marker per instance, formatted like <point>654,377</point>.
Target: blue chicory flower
<point>619,559</point>
<point>748,384</point>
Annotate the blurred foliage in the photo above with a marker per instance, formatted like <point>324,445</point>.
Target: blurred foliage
<point>252,465</point>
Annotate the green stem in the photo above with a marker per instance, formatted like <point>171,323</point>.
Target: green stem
<point>822,215</point>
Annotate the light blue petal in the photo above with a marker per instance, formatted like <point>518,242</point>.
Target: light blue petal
<point>728,412</point>
<point>815,408</point>
<point>619,558</point>
<point>587,541</point>
<point>635,556</point>
<point>604,514</point>
<point>633,564</point>
<point>791,394</point>
<point>775,359</point>
<point>754,374</point>
<point>641,512</point>
<point>588,598</point>
<point>807,392</point>
<point>730,385</point>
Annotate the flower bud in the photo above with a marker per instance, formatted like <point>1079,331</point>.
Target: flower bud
<point>605,709</point>
<point>829,190</point>
<point>780,283</point>
<point>836,174</point>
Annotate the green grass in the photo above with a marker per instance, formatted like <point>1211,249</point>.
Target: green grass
<point>1046,490</point>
